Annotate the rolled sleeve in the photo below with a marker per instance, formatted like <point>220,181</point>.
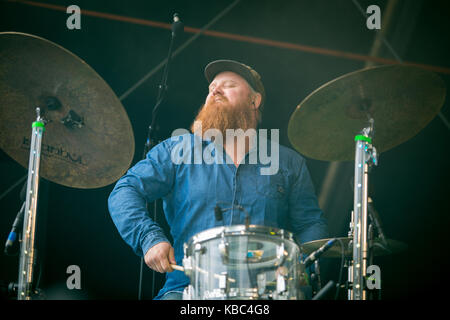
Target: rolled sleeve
<point>148,180</point>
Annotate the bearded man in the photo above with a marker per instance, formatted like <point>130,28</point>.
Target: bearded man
<point>191,190</point>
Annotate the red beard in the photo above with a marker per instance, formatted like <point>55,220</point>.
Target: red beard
<point>221,115</point>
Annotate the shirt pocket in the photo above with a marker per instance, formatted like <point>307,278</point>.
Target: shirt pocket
<point>272,186</point>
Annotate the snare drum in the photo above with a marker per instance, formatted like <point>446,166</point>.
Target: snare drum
<point>242,262</point>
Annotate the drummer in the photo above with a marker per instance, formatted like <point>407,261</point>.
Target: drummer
<point>191,190</point>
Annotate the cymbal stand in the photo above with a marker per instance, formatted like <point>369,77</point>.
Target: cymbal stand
<point>365,156</point>
<point>27,250</point>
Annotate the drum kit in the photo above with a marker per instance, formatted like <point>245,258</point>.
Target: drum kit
<point>334,123</point>
<point>352,118</point>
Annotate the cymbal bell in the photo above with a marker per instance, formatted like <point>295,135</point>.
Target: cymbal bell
<point>379,249</point>
<point>88,141</point>
<point>401,99</point>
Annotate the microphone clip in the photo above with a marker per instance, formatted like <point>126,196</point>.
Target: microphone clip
<point>177,25</point>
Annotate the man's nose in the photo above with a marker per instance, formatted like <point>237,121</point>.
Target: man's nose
<point>217,90</point>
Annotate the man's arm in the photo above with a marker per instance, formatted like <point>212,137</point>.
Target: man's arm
<point>148,180</point>
<point>306,218</point>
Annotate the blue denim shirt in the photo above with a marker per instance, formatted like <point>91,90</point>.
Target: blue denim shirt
<point>190,193</point>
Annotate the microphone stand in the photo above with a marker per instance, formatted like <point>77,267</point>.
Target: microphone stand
<point>152,137</point>
<point>375,217</point>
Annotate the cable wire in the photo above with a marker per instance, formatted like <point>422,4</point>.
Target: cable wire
<point>338,286</point>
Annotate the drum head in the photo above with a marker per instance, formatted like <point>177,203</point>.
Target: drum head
<point>253,244</point>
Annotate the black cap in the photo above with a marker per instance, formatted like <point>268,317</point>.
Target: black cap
<point>251,76</point>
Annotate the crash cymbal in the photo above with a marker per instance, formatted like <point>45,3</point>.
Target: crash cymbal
<point>88,141</point>
<point>335,251</point>
<point>401,99</point>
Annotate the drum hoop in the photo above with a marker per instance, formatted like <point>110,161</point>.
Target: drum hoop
<point>237,230</point>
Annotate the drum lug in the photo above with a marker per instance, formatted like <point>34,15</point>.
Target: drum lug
<point>185,249</point>
<point>281,292</point>
<point>199,248</point>
<point>223,249</point>
<point>188,293</point>
<point>281,253</point>
<point>261,282</point>
<point>281,284</point>
<point>224,284</point>
<point>223,281</point>
<point>187,264</point>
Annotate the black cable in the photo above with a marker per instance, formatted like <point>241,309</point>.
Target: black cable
<point>141,270</point>
<point>247,265</point>
<point>341,268</point>
<point>324,290</point>
<point>36,290</point>
<point>4,194</point>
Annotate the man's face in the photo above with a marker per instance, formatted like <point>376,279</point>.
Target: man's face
<point>228,87</point>
<point>229,105</point>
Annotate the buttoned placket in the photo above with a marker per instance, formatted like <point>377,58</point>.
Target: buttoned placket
<point>235,171</point>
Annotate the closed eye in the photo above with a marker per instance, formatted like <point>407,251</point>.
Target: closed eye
<point>226,84</point>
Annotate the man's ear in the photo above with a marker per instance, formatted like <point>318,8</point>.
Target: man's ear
<point>257,100</point>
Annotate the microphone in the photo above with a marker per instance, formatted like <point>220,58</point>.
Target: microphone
<point>177,25</point>
<point>17,222</point>
<point>218,213</point>
<point>316,254</point>
<point>14,230</point>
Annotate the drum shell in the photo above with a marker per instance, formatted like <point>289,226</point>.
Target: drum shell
<point>243,262</point>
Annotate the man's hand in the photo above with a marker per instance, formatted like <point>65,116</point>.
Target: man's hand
<point>160,257</point>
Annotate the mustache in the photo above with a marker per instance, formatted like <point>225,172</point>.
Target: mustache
<point>219,96</point>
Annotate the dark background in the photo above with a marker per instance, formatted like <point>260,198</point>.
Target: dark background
<point>409,187</point>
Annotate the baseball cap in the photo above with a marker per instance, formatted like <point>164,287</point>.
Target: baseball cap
<point>251,76</point>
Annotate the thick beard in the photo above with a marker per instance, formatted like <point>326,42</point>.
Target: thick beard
<point>221,115</point>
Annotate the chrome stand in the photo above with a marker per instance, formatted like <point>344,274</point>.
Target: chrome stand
<point>365,156</point>
<point>27,250</point>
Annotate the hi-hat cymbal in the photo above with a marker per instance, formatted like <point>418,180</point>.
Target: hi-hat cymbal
<point>402,100</point>
<point>379,249</point>
<point>88,141</point>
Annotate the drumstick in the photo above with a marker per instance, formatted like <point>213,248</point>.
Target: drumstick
<point>176,267</point>
<point>180,268</point>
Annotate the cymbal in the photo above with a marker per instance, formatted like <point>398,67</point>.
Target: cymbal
<point>88,141</point>
<point>335,251</point>
<point>401,99</point>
